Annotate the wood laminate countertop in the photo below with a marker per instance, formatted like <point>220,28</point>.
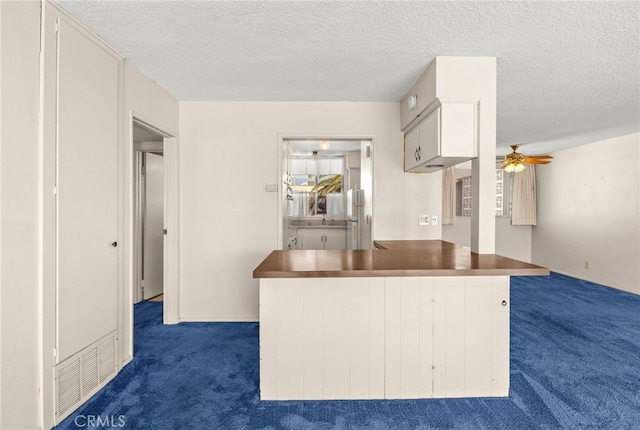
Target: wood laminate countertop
<point>393,258</point>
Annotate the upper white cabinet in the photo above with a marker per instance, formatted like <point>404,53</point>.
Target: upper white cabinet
<point>446,134</point>
<point>449,115</point>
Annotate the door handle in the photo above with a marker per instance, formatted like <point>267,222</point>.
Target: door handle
<point>114,244</point>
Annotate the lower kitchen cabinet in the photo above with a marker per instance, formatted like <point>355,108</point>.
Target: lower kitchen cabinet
<point>322,238</point>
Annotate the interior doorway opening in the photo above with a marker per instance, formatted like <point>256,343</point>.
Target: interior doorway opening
<point>149,204</point>
<point>327,197</point>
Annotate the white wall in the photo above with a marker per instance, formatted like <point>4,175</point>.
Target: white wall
<point>229,223</point>
<point>459,233</point>
<point>146,100</point>
<point>20,214</point>
<point>513,241</point>
<point>589,210</point>
<point>20,223</point>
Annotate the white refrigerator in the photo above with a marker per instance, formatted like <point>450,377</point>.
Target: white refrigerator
<point>355,203</point>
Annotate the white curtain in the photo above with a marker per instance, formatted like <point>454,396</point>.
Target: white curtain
<point>298,206</point>
<point>523,205</point>
<point>335,205</point>
<point>448,196</point>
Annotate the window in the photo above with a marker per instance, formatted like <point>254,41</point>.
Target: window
<point>314,181</point>
<point>504,185</point>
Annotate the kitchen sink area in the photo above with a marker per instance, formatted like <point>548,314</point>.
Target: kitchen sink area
<point>317,222</point>
<point>316,233</point>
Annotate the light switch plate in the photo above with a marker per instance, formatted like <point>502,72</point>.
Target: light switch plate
<point>271,188</point>
<point>424,220</point>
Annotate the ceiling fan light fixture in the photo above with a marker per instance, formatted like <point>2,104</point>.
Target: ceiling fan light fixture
<point>513,167</point>
<point>514,162</point>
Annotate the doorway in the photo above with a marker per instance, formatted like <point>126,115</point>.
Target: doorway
<point>327,198</point>
<point>149,207</point>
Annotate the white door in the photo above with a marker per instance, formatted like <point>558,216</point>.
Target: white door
<point>153,237</point>
<point>87,204</point>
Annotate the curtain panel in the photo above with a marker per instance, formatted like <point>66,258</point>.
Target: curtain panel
<point>448,196</point>
<point>523,206</point>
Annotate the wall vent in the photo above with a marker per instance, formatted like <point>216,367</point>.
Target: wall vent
<point>83,374</point>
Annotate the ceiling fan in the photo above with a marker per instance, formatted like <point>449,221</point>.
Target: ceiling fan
<point>514,162</point>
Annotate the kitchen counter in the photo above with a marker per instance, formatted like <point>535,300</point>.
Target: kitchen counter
<point>412,319</point>
<point>394,258</point>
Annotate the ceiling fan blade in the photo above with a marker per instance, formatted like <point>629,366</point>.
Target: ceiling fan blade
<point>535,161</point>
<point>540,156</point>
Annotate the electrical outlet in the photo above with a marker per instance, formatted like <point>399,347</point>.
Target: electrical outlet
<point>424,220</point>
<point>586,264</point>
<point>434,219</point>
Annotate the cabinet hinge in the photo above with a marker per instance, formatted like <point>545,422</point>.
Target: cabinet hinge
<point>55,354</point>
<point>55,190</point>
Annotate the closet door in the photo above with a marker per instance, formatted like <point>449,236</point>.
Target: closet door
<point>86,183</point>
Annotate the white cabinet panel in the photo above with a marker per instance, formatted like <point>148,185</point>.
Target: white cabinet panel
<point>87,197</point>
<point>289,339</point>
<point>454,334</point>
<point>368,338</point>
<point>500,340</point>
<point>335,238</point>
<point>311,238</point>
<point>322,238</point>
<point>411,143</point>
<point>329,346</point>
<point>336,347</point>
<point>478,337</point>
<point>409,338</point>
<point>268,338</point>
<point>313,350</point>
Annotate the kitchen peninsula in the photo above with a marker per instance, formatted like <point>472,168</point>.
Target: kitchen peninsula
<point>413,319</point>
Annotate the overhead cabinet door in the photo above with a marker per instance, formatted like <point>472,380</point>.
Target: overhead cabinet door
<point>447,135</point>
<point>87,206</point>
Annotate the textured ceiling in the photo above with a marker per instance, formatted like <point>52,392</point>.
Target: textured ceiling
<point>568,72</point>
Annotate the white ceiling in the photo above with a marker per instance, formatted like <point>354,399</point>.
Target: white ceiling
<point>568,72</point>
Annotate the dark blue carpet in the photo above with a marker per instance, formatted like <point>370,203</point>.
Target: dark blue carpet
<point>575,364</point>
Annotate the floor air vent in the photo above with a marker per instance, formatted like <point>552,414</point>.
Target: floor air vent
<point>81,375</point>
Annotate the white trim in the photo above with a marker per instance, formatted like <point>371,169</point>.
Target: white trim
<point>172,224</point>
<point>39,235</point>
<point>220,319</point>
<point>148,146</point>
<point>171,266</point>
<point>148,123</point>
<point>83,28</point>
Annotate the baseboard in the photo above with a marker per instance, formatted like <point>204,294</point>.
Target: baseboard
<point>582,278</point>
<point>219,319</point>
<point>126,361</point>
